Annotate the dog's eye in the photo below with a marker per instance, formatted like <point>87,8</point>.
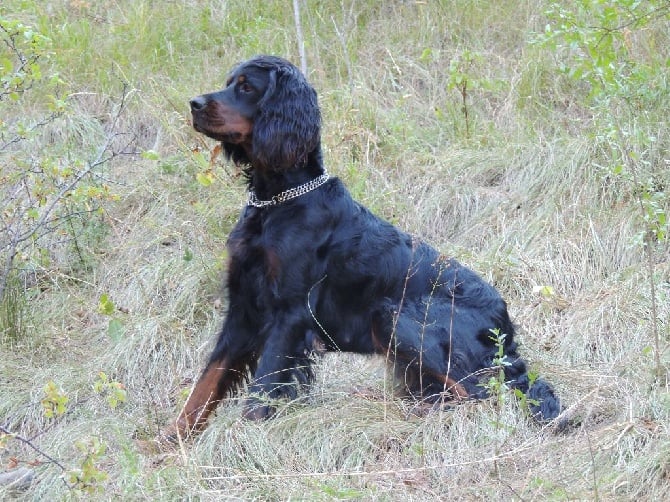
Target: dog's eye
<point>245,88</point>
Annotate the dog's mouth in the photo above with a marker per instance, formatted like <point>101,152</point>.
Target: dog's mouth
<point>197,126</point>
<point>200,125</point>
<point>223,126</point>
<point>220,131</point>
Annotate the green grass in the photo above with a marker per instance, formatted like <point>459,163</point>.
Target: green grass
<point>530,198</point>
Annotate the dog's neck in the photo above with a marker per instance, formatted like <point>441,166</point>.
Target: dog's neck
<point>269,185</point>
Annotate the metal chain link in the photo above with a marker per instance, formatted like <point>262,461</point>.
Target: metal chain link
<point>289,194</point>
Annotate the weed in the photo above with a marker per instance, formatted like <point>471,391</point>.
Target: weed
<point>462,76</point>
<point>114,392</point>
<point>54,402</point>
<point>498,387</point>
<point>88,478</point>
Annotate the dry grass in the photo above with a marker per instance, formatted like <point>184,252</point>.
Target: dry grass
<point>525,201</point>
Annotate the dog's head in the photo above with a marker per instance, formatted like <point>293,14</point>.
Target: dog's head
<point>267,116</point>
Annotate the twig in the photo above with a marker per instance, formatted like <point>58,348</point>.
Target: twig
<point>300,37</point>
<point>593,468</point>
<point>648,254</point>
<point>343,41</point>
<point>29,443</point>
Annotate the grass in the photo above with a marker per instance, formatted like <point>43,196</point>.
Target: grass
<point>528,199</point>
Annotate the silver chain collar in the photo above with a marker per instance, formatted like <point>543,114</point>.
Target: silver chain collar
<point>289,194</point>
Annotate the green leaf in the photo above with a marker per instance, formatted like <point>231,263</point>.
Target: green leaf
<point>545,291</point>
<point>426,55</point>
<point>205,179</point>
<point>6,66</point>
<point>150,155</point>
<point>116,330</point>
<point>54,404</point>
<point>106,305</point>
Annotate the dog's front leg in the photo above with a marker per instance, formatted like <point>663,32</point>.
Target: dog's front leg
<point>228,366</point>
<point>284,348</point>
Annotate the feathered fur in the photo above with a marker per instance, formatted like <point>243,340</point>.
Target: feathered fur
<point>320,272</point>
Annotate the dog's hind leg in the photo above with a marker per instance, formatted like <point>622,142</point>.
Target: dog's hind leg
<point>420,355</point>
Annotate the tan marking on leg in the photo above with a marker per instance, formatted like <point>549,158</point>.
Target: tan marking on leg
<point>456,388</point>
<point>201,402</point>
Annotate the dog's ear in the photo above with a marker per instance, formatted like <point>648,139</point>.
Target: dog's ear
<point>287,126</point>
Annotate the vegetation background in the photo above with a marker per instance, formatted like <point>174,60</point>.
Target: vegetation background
<point>526,138</point>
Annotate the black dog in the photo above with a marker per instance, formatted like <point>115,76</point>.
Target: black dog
<point>310,268</point>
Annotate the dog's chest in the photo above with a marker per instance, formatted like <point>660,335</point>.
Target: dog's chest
<point>252,249</point>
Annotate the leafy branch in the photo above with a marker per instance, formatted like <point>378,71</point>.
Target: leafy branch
<point>21,70</point>
<point>33,210</point>
<point>622,86</point>
<point>51,193</point>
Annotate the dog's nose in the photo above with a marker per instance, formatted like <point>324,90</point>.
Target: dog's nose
<point>198,103</point>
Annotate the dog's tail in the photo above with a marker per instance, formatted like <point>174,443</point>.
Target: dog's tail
<point>543,403</point>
